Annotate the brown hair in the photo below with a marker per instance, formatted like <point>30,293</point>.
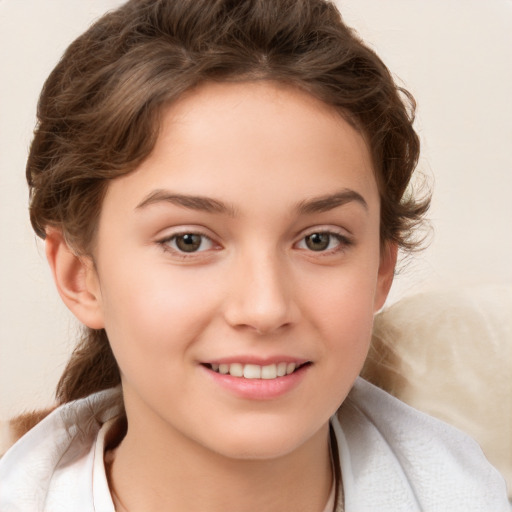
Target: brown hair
<point>98,114</point>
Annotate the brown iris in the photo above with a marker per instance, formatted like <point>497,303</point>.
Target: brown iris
<point>188,242</point>
<point>318,241</point>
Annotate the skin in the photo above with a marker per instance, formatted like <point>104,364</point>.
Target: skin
<point>253,288</point>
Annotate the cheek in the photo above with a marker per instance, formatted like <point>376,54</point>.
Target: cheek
<point>340,316</point>
<point>156,311</point>
<point>346,325</point>
<point>343,311</point>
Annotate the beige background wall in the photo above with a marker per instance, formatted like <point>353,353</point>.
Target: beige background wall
<point>453,55</point>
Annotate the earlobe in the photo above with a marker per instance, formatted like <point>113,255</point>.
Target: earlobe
<point>386,273</point>
<point>76,280</point>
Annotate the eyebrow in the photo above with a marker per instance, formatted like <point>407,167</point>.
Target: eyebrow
<point>331,201</point>
<point>207,204</point>
<point>199,203</point>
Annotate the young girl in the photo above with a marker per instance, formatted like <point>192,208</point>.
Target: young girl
<point>221,188</point>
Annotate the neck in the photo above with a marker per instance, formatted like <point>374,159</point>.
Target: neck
<point>144,477</point>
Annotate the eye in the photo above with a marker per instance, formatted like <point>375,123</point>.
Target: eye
<point>188,242</point>
<point>321,241</point>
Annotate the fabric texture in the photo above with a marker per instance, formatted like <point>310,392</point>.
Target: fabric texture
<point>448,353</point>
<point>392,457</point>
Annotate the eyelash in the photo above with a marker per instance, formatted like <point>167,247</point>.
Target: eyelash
<point>343,243</point>
<point>176,251</point>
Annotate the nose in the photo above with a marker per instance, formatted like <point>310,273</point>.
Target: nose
<point>261,298</point>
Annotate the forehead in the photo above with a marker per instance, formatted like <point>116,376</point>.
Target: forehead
<point>250,139</point>
<point>258,106</point>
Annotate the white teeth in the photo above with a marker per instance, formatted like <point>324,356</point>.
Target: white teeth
<point>281,369</point>
<point>269,371</point>
<point>252,371</point>
<point>255,371</point>
<point>290,368</point>
<point>236,370</point>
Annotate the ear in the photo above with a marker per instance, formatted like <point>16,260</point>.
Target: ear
<point>386,273</point>
<point>76,280</point>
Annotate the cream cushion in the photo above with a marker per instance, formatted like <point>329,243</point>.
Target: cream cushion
<point>449,353</point>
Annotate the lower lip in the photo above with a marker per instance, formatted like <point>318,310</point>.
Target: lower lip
<point>259,389</point>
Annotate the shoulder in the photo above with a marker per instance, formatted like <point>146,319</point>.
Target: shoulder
<point>393,454</point>
<point>55,456</point>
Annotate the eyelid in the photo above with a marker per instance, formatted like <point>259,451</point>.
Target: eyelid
<point>345,239</point>
<point>163,241</point>
<point>330,229</point>
<point>184,229</point>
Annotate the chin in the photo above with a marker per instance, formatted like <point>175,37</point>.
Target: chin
<point>257,450</point>
<point>263,442</point>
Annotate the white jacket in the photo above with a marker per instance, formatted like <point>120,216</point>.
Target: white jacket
<point>392,457</point>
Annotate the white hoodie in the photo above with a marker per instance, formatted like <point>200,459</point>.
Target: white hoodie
<point>392,457</point>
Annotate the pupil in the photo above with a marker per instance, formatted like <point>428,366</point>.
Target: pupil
<point>189,242</point>
<point>318,241</point>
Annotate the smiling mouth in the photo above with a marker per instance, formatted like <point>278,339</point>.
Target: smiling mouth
<point>254,371</point>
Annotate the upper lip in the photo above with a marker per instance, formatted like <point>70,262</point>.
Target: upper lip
<point>258,360</point>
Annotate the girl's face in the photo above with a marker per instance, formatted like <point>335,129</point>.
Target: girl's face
<point>246,244</point>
